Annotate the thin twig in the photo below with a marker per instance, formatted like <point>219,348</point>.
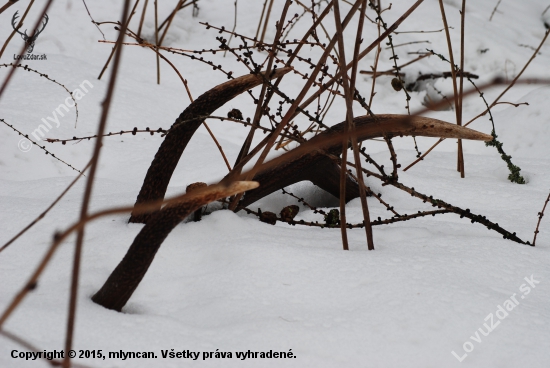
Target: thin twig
<point>43,148</point>
<point>183,6</point>
<point>460,161</point>
<point>540,215</point>
<point>142,17</point>
<point>170,21</point>
<point>491,105</point>
<point>26,67</point>
<point>157,40</point>
<point>260,23</point>
<point>89,183</point>
<point>261,105</point>
<point>495,9</point>
<point>363,53</point>
<point>113,50</point>
<point>43,214</point>
<point>436,31</point>
<point>266,21</point>
<point>347,125</point>
<point>391,72</point>
<point>233,30</point>
<point>184,81</point>
<point>375,68</point>
<point>7,5</point>
<point>92,19</point>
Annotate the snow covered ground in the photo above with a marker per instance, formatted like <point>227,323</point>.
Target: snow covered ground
<point>231,283</point>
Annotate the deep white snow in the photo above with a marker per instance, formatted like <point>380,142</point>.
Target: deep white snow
<point>231,283</point>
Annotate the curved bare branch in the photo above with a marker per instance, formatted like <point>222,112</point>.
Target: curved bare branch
<point>167,157</point>
<point>315,166</point>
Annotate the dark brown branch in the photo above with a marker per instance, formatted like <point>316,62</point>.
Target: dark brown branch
<point>312,164</point>
<point>165,161</point>
<point>7,5</point>
<point>90,182</point>
<point>127,276</point>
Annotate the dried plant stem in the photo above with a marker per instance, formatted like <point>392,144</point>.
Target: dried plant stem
<point>170,18</point>
<point>266,21</point>
<point>347,126</point>
<point>89,183</point>
<point>142,17</point>
<point>43,214</point>
<point>7,5</point>
<point>177,9</point>
<point>362,54</point>
<point>494,10</point>
<point>495,102</point>
<point>540,215</point>
<point>233,30</point>
<point>294,107</point>
<point>459,211</point>
<point>157,40</point>
<point>260,104</point>
<point>92,19</point>
<point>348,88</point>
<point>184,81</point>
<point>460,161</point>
<point>113,50</point>
<point>26,67</point>
<point>43,148</point>
<point>260,23</point>
<point>392,72</point>
<point>374,69</point>
<point>535,53</point>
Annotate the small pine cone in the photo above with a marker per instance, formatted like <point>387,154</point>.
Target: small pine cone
<point>289,212</point>
<point>268,217</point>
<point>397,84</point>
<point>235,114</point>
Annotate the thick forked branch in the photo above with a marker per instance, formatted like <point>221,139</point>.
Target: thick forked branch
<point>124,280</point>
<point>126,277</point>
<point>314,165</point>
<point>167,157</point>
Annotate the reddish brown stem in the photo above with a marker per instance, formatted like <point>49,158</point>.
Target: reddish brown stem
<point>89,185</point>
